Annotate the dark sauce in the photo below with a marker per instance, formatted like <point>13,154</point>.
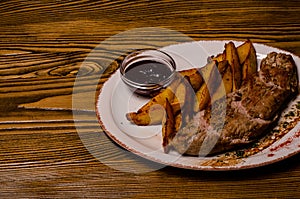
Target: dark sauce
<point>147,72</point>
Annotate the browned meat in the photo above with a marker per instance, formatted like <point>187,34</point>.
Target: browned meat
<point>245,114</point>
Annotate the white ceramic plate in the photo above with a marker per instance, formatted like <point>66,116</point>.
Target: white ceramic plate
<point>115,100</point>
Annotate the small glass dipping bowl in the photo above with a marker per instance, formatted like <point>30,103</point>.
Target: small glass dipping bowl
<point>147,71</point>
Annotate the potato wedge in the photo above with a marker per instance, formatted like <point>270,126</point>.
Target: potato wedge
<point>178,122</point>
<point>194,76</point>
<point>152,111</point>
<point>171,123</point>
<point>226,87</point>
<point>180,93</point>
<point>176,106</point>
<point>168,126</point>
<point>222,66</point>
<point>233,60</point>
<point>220,57</point>
<point>215,78</point>
<point>227,77</point>
<point>206,70</point>
<point>187,109</point>
<point>184,99</point>
<point>151,116</point>
<point>202,98</point>
<point>243,51</point>
<point>249,67</point>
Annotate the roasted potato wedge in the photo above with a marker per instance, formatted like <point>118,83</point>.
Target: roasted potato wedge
<point>178,121</point>
<point>187,109</point>
<point>168,126</point>
<point>184,99</point>
<point>202,98</point>
<point>226,87</point>
<point>176,106</point>
<point>171,122</point>
<point>243,50</point>
<point>247,58</point>
<point>222,66</point>
<point>207,70</point>
<point>180,93</point>
<point>220,57</point>
<point>227,77</point>
<point>233,60</point>
<point>249,66</point>
<point>152,111</point>
<point>150,116</point>
<point>194,76</point>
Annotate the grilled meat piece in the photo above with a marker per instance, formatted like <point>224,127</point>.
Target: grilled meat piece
<point>242,116</point>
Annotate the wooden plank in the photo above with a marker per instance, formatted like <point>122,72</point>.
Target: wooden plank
<point>43,45</point>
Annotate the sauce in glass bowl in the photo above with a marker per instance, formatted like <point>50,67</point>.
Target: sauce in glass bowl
<point>147,71</point>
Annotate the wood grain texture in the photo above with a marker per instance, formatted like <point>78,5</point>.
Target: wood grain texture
<point>43,50</point>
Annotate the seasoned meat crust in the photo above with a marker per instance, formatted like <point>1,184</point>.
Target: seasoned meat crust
<point>263,95</point>
<point>244,115</point>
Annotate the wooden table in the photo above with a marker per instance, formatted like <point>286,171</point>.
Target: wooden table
<point>44,45</point>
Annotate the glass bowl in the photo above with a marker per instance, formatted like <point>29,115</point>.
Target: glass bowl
<point>147,71</point>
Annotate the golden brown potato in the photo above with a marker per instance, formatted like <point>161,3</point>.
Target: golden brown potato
<point>202,98</point>
<point>171,122</point>
<point>194,76</point>
<point>226,87</point>
<point>180,93</point>
<point>168,126</point>
<point>243,51</point>
<point>206,71</point>
<point>227,77</point>
<point>178,122</point>
<point>152,111</point>
<point>184,99</point>
<point>249,66</point>
<point>176,106</point>
<point>187,109</point>
<point>220,57</point>
<point>150,116</point>
<point>233,60</point>
<point>222,66</point>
